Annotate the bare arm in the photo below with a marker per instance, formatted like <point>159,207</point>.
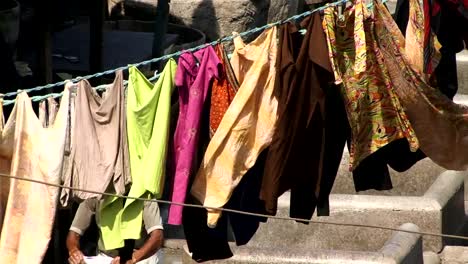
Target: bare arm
<point>150,247</point>
<point>73,246</point>
<point>73,241</point>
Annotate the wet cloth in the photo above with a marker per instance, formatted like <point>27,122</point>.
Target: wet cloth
<point>99,150</point>
<point>247,127</point>
<point>30,150</point>
<point>193,79</point>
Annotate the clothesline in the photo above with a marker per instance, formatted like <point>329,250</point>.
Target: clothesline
<point>168,56</point>
<point>39,98</point>
<point>238,211</point>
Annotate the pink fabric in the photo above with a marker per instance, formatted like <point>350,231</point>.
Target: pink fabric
<point>195,71</point>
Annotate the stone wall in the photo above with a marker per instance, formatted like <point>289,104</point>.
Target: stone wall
<point>217,18</point>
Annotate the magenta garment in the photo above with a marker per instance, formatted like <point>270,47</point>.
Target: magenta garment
<point>195,71</point>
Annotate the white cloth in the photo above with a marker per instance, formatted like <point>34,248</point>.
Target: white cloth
<point>104,259</point>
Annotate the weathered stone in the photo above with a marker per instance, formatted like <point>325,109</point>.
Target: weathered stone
<point>454,255</point>
<point>282,9</point>
<point>220,18</point>
<point>217,18</point>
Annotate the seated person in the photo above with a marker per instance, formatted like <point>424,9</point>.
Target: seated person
<point>146,248</point>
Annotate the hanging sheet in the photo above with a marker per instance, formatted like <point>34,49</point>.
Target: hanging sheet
<point>30,150</point>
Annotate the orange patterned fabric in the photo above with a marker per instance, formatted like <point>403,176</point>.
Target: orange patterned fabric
<point>374,111</point>
<point>30,150</point>
<point>223,90</point>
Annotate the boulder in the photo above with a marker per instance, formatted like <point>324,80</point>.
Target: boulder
<point>216,18</point>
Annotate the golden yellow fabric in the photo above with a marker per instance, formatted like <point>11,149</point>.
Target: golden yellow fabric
<point>247,126</point>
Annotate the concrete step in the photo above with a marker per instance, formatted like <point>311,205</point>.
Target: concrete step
<point>171,256</point>
<point>454,255</point>
<point>400,247</point>
<point>440,210</point>
<point>462,71</point>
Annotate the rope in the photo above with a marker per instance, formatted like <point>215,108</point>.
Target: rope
<point>422,233</point>
<point>57,95</point>
<point>178,53</point>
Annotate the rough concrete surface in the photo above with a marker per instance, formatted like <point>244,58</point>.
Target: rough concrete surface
<point>441,210</point>
<point>454,255</point>
<point>414,181</point>
<point>400,247</point>
<point>431,257</point>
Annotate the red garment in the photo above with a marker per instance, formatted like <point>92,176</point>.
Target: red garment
<point>223,90</point>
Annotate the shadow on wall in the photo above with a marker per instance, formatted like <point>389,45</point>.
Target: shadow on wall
<point>204,18</point>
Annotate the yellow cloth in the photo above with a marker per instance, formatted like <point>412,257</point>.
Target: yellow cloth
<point>29,150</point>
<point>246,128</point>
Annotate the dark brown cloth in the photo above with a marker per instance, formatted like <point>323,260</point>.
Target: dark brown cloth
<point>296,155</point>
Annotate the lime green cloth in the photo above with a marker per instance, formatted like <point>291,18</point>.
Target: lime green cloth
<point>148,119</point>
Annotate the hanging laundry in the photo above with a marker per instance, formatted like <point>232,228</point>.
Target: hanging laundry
<point>223,90</point>
<point>247,127</point>
<point>148,115</point>
<point>440,125</point>
<point>4,182</point>
<point>424,57</point>
<point>206,243</point>
<point>30,150</point>
<point>374,111</point>
<point>99,150</point>
<point>296,156</point>
<point>445,18</point>
<point>48,109</point>
<point>194,77</point>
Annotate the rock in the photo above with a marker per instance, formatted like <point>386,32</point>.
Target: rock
<point>282,9</point>
<point>217,18</point>
<point>220,18</point>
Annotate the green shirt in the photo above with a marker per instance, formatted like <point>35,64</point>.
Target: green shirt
<point>148,119</point>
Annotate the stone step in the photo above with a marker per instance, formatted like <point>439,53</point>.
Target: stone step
<point>400,247</point>
<point>440,210</point>
<point>462,72</point>
<point>454,255</point>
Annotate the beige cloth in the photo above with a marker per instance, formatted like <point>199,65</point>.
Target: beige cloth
<point>29,150</point>
<point>48,111</point>
<point>99,150</point>
<point>247,126</point>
